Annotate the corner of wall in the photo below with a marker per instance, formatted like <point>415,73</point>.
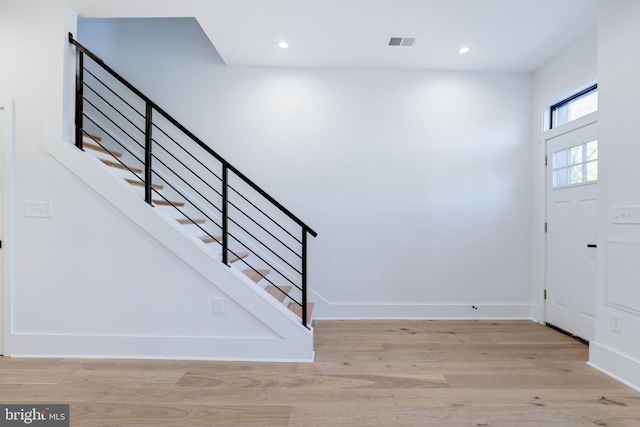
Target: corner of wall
<point>69,66</point>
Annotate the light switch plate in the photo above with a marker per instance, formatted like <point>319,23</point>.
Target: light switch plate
<point>38,209</point>
<point>626,215</point>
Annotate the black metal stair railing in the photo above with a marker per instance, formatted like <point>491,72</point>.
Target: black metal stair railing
<point>219,200</point>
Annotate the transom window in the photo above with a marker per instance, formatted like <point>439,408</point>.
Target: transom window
<point>576,165</point>
<point>575,106</point>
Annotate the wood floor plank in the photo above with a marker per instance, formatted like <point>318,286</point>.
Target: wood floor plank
<point>350,397</point>
<point>98,414</point>
<point>30,393</point>
<point>30,376</point>
<point>615,398</point>
<point>366,373</point>
<point>330,382</point>
<point>514,382</point>
<point>115,377</point>
<point>183,395</point>
<point>410,367</point>
<point>530,416</point>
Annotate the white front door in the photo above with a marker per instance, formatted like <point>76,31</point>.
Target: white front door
<point>572,167</point>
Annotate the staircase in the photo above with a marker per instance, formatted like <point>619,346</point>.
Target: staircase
<point>189,185</point>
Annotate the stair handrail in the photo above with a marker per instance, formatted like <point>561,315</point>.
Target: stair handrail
<point>227,167</point>
<point>187,132</point>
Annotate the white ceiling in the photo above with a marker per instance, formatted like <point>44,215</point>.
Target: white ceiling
<point>504,35</point>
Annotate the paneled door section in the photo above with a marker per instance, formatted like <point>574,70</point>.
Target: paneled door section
<point>572,199</point>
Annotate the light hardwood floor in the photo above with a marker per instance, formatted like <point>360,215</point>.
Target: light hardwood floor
<point>367,373</point>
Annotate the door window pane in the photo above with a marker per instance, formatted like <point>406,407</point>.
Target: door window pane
<point>576,165</point>
<point>560,177</point>
<point>575,174</point>
<point>560,159</point>
<point>592,150</point>
<point>592,171</point>
<point>575,155</point>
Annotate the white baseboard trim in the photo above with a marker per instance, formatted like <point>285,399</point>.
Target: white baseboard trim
<point>615,364</point>
<point>325,310</point>
<point>156,347</point>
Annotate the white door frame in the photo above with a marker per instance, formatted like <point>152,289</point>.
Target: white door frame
<point>7,162</point>
<point>547,135</point>
<point>561,88</point>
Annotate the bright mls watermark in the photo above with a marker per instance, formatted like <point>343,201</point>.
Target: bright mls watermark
<point>34,415</point>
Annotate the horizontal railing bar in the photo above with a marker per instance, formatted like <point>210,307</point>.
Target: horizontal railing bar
<point>193,222</point>
<point>113,92</point>
<point>116,125</point>
<point>299,287</point>
<point>183,180</point>
<point>182,212</point>
<point>265,277</point>
<point>167,183</point>
<point>111,136</point>
<point>110,105</point>
<point>116,158</point>
<point>266,216</point>
<point>186,151</point>
<point>186,167</point>
<point>272,200</point>
<point>160,176</point>
<point>262,227</point>
<point>186,198</point>
<point>267,247</point>
<point>204,146</point>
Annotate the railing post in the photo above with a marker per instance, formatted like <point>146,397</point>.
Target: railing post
<point>79,96</point>
<point>304,276</point>
<point>225,214</point>
<point>148,197</point>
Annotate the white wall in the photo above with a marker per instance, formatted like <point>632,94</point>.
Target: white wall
<point>573,68</point>
<point>418,182</point>
<point>88,281</point>
<point>618,70</point>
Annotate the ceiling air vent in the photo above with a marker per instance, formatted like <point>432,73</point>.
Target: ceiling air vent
<point>401,41</point>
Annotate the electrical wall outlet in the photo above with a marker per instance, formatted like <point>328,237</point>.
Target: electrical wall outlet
<point>616,323</point>
<point>218,305</point>
<point>38,209</point>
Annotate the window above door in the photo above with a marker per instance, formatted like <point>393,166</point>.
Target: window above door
<point>575,106</point>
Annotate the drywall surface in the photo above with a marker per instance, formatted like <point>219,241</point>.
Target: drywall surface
<point>418,182</point>
<point>87,280</point>
<point>617,351</point>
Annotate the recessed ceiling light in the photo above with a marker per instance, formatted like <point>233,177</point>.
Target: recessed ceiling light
<point>283,44</point>
<point>464,50</point>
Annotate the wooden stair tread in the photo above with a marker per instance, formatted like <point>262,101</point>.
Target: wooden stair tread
<point>162,202</point>
<point>120,166</point>
<point>279,293</point>
<point>96,147</point>
<point>209,239</point>
<point>297,309</point>
<point>90,135</point>
<point>138,183</point>
<point>256,275</point>
<point>187,221</point>
<point>236,257</point>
